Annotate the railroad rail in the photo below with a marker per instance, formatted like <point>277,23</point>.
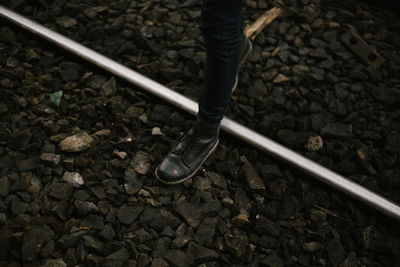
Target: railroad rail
<point>310,167</point>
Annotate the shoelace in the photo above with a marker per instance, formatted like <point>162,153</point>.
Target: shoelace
<point>192,144</point>
<point>187,127</point>
<point>186,143</point>
<point>189,144</point>
<point>182,148</point>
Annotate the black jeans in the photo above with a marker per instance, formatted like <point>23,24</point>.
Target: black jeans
<point>222,28</point>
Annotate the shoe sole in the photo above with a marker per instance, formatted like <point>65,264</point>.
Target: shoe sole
<point>193,173</point>
<point>241,63</point>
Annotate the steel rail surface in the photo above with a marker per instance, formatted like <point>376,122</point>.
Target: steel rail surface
<point>259,141</point>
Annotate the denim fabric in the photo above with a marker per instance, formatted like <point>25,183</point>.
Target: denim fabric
<point>222,29</point>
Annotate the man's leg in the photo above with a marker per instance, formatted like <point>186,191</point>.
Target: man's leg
<point>221,25</point>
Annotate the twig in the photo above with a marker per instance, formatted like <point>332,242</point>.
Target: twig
<point>329,212</point>
<point>254,29</point>
<point>335,215</point>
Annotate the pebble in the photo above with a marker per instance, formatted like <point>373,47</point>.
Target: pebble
<point>29,164</point>
<point>251,3</point>
<point>157,131</point>
<point>206,231</point>
<point>200,253</point>
<point>168,231</point>
<point>103,132</point>
<point>76,143</point>
<point>66,22</point>
<point>117,257</point>
<point>93,243</point>
<point>4,186</point>
<point>265,226</point>
<point>388,96</point>
<point>314,143</point>
<point>281,79</point>
<point>237,241</point>
<point>73,178</point>
<point>107,233</point>
<point>54,263</point>
<point>128,214</point>
<point>50,159</point>
<point>201,183</point>
<point>227,201</point>
<point>358,75</point>
<point>319,53</point>
<point>33,239</point>
<point>312,246</point>
<point>327,63</point>
<point>7,35</point>
<point>12,62</point>
<point>93,222</point>
<point>133,183</point>
<point>109,88</point>
<point>337,130</point>
<point>3,108</point>
<point>216,179</point>
<point>61,191</point>
<point>176,257</point>
<point>3,218</point>
<point>335,252</point>
<point>18,206</point>
<point>141,162</point>
<point>192,214</point>
<point>241,221</point>
<point>20,139</point>
<point>253,179</point>
<point>393,142</point>
<point>160,113</point>
<point>272,260</point>
<point>300,69</point>
<point>85,207</point>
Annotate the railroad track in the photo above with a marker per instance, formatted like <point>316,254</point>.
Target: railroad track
<point>260,142</point>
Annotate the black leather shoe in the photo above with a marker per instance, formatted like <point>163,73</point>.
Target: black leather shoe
<point>188,156</point>
<point>246,47</point>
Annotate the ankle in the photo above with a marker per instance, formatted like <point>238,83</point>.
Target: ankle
<point>206,130</point>
<point>209,131</point>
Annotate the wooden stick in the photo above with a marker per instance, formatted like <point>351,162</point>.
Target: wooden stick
<point>335,215</point>
<point>251,31</point>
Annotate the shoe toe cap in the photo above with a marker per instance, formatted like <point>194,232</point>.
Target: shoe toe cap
<point>170,172</point>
